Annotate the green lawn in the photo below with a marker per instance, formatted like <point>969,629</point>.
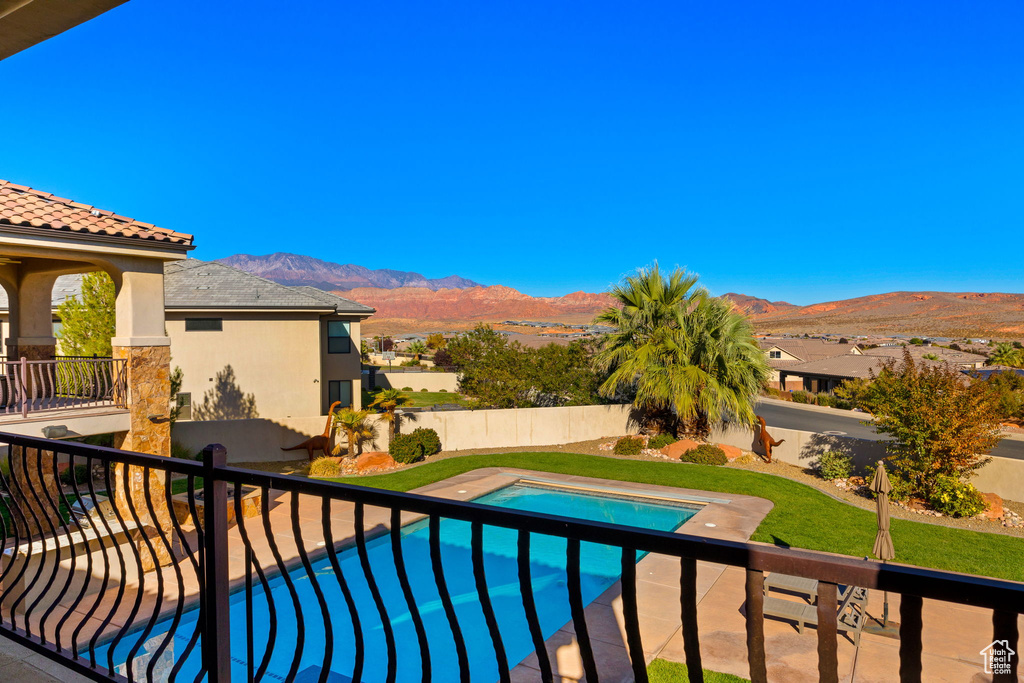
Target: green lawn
<point>662,671</point>
<point>423,399</point>
<point>803,517</point>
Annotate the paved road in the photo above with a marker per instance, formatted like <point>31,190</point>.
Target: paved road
<point>790,417</point>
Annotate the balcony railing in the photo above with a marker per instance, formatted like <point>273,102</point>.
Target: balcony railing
<point>28,386</point>
<point>259,572</point>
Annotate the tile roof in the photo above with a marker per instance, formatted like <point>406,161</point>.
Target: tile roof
<point>809,349</point>
<point>205,284</point>
<point>65,287</point>
<point>23,206</point>
<point>848,366</point>
<point>948,355</point>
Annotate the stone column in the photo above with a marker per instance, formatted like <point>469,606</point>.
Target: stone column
<point>32,482</point>
<point>32,317</point>
<point>145,348</point>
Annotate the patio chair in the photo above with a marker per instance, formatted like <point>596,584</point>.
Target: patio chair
<point>849,616</point>
<point>807,587</point>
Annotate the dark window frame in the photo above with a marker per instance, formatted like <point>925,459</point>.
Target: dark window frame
<point>204,324</point>
<point>339,344</point>
<point>333,395</point>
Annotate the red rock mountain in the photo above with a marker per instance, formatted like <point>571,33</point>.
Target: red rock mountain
<point>755,306</point>
<point>490,304</point>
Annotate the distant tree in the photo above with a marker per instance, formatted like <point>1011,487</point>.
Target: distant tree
<point>689,361</point>
<point>387,344</point>
<point>940,422</point>
<point>177,377</point>
<point>436,341</point>
<point>417,347</point>
<point>364,351</point>
<point>87,322</point>
<point>442,359</point>
<point>1005,354</point>
<point>930,356</point>
<point>955,347</point>
<point>388,401</point>
<point>843,340</point>
<point>857,392</point>
<point>917,341</point>
<point>1009,389</point>
<point>226,400</point>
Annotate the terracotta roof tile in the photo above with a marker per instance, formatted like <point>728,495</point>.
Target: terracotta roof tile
<point>21,205</point>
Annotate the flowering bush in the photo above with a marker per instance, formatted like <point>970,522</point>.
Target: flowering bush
<point>955,498</point>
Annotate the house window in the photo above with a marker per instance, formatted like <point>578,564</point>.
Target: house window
<point>775,354</point>
<point>338,339</point>
<point>340,390</point>
<point>204,324</point>
<point>183,402</point>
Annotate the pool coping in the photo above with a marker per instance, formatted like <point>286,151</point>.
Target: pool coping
<point>733,519</point>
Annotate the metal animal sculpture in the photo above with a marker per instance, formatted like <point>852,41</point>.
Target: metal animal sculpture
<point>321,442</point>
<point>767,442</point>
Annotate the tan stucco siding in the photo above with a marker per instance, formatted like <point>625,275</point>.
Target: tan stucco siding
<point>340,366</point>
<point>275,357</point>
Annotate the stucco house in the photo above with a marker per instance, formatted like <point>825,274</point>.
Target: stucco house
<point>783,353</point>
<point>294,349</point>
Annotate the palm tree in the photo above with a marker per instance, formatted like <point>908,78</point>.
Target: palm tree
<point>357,427</point>
<point>417,347</point>
<point>688,360</point>
<point>389,400</point>
<point>1006,354</point>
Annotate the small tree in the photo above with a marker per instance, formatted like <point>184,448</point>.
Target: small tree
<point>857,391</point>
<point>941,423</point>
<point>418,348</point>
<point>1006,354</point>
<point>436,341</point>
<point>87,323</point>
<point>389,400</point>
<point>357,427</point>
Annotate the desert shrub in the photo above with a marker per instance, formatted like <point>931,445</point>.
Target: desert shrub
<point>800,396</point>
<point>79,474</point>
<point>443,391</point>
<point>429,439</point>
<point>773,392</point>
<point>842,403</point>
<point>955,498</point>
<point>406,388</point>
<point>660,441</point>
<point>629,445</point>
<point>834,465</point>
<point>324,467</point>
<point>423,391</point>
<point>405,448</point>
<point>825,400</point>
<point>180,451</point>
<point>705,454</point>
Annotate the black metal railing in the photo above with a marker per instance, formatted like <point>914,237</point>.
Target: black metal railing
<point>139,567</point>
<point>28,386</point>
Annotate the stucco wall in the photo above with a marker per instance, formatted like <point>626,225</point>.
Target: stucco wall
<point>340,366</point>
<point>1003,476</point>
<point>431,381</point>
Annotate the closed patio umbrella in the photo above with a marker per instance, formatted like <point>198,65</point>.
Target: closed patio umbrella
<point>883,548</point>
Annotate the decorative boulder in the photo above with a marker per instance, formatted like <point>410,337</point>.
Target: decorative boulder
<point>731,452</point>
<point>993,506</point>
<point>674,450</point>
<point>375,461</point>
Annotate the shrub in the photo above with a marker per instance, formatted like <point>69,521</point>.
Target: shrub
<point>406,388</point>
<point>442,391</point>
<point>705,454</point>
<point>955,498</point>
<point>660,441</point>
<point>405,448</point>
<point>429,439</point>
<point>629,445</point>
<point>802,397</point>
<point>324,467</point>
<point>181,452</point>
<point>834,465</point>
<point>423,391</point>
<point>842,404</point>
<point>79,473</point>
<point>825,400</point>
<point>901,489</point>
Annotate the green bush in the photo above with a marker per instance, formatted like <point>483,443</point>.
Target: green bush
<point>443,391</point>
<point>705,454</point>
<point>901,489</point>
<point>800,396</point>
<point>406,388</point>
<point>181,452</point>
<point>429,439</point>
<point>842,403</point>
<point>825,400</point>
<point>955,498</point>
<point>405,448</point>
<point>324,467</point>
<point>834,465</point>
<point>79,472</point>
<point>423,391</point>
<point>660,441</point>
<point>629,445</point>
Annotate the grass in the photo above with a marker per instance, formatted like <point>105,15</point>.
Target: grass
<point>424,399</point>
<point>803,517</point>
<point>662,671</point>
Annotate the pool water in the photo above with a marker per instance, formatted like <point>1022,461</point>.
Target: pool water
<point>600,568</point>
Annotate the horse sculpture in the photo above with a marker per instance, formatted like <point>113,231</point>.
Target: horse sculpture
<point>767,442</point>
<point>321,442</point>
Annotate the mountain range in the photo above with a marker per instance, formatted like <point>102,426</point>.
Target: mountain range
<point>295,269</point>
<point>410,300</point>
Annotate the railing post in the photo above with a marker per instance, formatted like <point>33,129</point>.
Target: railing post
<point>24,387</point>
<point>216,617</point>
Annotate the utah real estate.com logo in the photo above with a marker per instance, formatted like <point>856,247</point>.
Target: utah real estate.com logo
<point>998,657</point>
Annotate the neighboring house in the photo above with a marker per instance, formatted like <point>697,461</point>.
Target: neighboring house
<point>825,374</point>
<point>294,349</point>
<point>785,353</point>
<point>961,359</point>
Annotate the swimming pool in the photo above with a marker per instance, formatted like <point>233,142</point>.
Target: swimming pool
<point>600,568</point>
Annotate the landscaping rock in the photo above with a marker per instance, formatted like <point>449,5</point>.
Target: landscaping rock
<point>993,506</point>
<point>674,450</point>
<point>375,461</point>
<point>856,482</point>
<point>731,452</point>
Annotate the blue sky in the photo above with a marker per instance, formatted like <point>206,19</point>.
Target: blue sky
<point>795,151</point>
